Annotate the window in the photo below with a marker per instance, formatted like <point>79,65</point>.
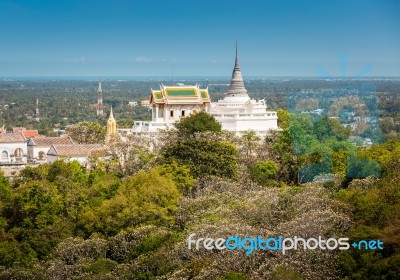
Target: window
<point>183,113</point>
<point>171,113</point>
<point>18,152</point>
<point>42,155</point>
<point>4,154</point>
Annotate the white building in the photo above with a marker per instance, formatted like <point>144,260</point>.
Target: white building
<point>170,104</point>
<point>238,113</point>
<point>70,152</point>
<point>38,147</point>
<point>13,148</point>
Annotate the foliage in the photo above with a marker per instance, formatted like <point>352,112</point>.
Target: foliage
<point>203,157</point>
<point>180,175</point>
<point>376,211</point>
<point>199,122</point>
<point>129,156</point>
<point>87,132</point>
<point>145,198</point>
<point>262,172</point>
<point>129,217</point>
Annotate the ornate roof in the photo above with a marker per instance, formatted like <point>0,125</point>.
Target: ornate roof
<point>237,84</point>
<point>12,138</point>
<point>180,95</point>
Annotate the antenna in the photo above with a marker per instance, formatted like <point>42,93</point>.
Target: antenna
<point>37,114</point>
<point>99,107</point>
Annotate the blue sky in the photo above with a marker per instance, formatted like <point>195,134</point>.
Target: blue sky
<point>197,38</point>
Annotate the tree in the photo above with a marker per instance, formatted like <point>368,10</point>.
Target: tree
<point>249,143</point>
<point>130,156</point>
<point>338,129</point>
<point>262,172</point>
<point>146,198</point>
<point>199,122</point>
<point>180,175</point>
<point>283,119</point>
<point>87,133</point>
<point>204,157</point>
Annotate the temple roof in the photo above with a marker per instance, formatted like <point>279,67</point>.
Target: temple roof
<point>180,95</point>
<point>237,86</point>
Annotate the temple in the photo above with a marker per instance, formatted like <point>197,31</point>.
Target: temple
<point>237,112</point>
<point>111,128</point>
<point>171,103</point>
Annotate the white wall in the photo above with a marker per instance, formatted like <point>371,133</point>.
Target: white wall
<point>81,160</point>
<point>10,149</point>
<point>33,152</point>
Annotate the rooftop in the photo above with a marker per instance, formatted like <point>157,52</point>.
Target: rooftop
<point>12,138</point>
<point>71,150</point>
<point>48,141</point>
<point>180,95</point>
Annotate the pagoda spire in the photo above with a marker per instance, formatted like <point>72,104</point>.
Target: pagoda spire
<point>111,126</point>
<point>111,114</point>
<point>236,58</point>
<point>236,86</point>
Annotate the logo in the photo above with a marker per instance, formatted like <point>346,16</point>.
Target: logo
<point>249,245</point>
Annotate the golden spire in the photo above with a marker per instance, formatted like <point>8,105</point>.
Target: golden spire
<point>111,124</point>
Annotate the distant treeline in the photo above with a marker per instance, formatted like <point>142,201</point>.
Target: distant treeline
<point>64,102</point>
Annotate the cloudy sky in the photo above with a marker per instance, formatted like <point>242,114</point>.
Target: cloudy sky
<point>197,38</point>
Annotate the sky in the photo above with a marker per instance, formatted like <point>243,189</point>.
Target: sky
<point>197,38</point>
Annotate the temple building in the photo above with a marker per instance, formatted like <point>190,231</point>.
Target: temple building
<point>237,112</point>
<point>171,103</point>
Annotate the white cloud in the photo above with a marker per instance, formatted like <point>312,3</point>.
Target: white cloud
<point>76,60</point>
<point>143,59</point>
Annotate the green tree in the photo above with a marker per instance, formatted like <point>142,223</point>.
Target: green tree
<point>338,129</point>
<point>146,198</point>
<point>283,119</point>
<point>180,175</point>
<point>199,122</point>
<point>262,172</point>
<point>204,157</point>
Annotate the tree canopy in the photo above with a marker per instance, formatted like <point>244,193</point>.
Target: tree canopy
<point>199,122</point>
<point>87,132</point>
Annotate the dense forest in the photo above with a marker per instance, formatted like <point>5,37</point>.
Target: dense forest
<point>130,215</point>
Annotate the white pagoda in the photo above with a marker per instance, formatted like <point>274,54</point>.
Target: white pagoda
<point>238,113</point>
